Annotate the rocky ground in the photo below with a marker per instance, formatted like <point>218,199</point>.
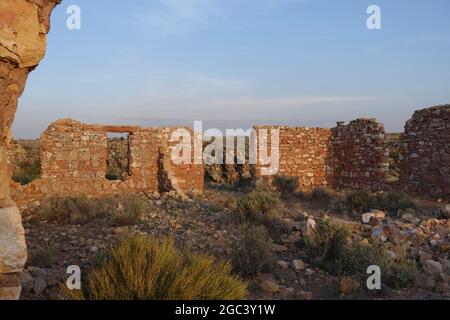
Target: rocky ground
<point>204,225</point>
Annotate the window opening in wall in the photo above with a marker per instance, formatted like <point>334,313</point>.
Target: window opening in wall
<point>118,161</point>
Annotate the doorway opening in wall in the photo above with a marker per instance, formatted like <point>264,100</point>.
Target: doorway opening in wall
<point>118,161</point>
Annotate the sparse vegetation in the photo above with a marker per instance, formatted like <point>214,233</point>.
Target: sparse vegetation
<point>360,201</point>
<point>253,253</point>
<point>134,205</point>
<point>396,273</point>
<point>327,245</point>
<point>75,210</point>
<point>43,257</point>
<point>27,171</point>
<point>144,269</point>
<point>286,185</point>
<point>259,206</point>
<point>329,248</point>
<point>112,176</point>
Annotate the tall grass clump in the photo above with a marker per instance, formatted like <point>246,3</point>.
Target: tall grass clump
<point>75,210</point>
<point>327,245</point>
<point>42,257</point>
<point>134,206</point>
<point>287,186</point>
<point>330,249</point>
<point>252,254</point>
<point>144,269</point>
<point>258,206</point>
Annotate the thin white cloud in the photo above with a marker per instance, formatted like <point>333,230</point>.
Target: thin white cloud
<point>173,17</point>
<point>287,102</point>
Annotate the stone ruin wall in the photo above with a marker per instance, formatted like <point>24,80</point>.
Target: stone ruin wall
<point>347,156</point>
<point>304,154</point>
<point>425,153</point>
<point>74,161</point>
<point>359,158</point>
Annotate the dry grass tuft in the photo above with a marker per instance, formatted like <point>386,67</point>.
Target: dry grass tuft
<point>143,269</point>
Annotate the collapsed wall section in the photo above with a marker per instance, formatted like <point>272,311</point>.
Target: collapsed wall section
<point>425,153</point>
<point>70,149</point>
<point>74,161</point>
<point>347,156</point>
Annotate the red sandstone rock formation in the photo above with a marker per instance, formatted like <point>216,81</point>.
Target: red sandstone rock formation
<point>23,28</point>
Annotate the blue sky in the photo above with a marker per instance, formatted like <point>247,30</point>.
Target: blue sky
<point>235,63</point>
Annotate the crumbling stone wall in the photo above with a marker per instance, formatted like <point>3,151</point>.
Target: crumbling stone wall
<point>359,157</point>
<point>71,149</point>
<point>425,153</point>
<point>303,153</point>
<point>74,157</point>
<point>23,28</point>
<point>347,156</point>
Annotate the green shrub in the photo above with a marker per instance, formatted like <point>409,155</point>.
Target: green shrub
<point>395,273</point>
<point>392,202</point>
<point>27,171</point>
<point>359,201</point>
<point>253,252</point>
<point>143,269</point>
<point>112,176</point>
<point>75,210</point>
<point>286,185</point>
<point>327,245</point>
<point>43,257</point>
<point>134,206</point>
<point>257,207</point>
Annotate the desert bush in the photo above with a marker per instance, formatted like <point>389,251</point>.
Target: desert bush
<point>287,186</point>
<point>259,206</point>
<point>392,202</point>
<point>43,257</point>
<point>75,210</point>
<point>144,269</point>
<point>27,171</point>
<point>252,254</point>
<point>112,176</point>
<point>359,201</point>
<point>326,245</point>
<point>134,206</point>
<point>398,273</point>
<point>329,249</point>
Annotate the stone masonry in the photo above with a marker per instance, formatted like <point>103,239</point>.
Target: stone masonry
<point>425,153</point>
<point>304,154</point>
<point>359,158</point>
<point>347,156</point>
<point>74,161</point>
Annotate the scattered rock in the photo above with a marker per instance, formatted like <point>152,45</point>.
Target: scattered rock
<point>379,233</point>
<point>309,227</point>
<point>409,217</point>
<point>283,264</point>
<point>432,267</point>
<point>26,280</point>
<point>348,286</point>
<point>120,230</point>
<point>299,265</point>
<point>374,214</point>
<point>270,286</point>
<point>39,285</point>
